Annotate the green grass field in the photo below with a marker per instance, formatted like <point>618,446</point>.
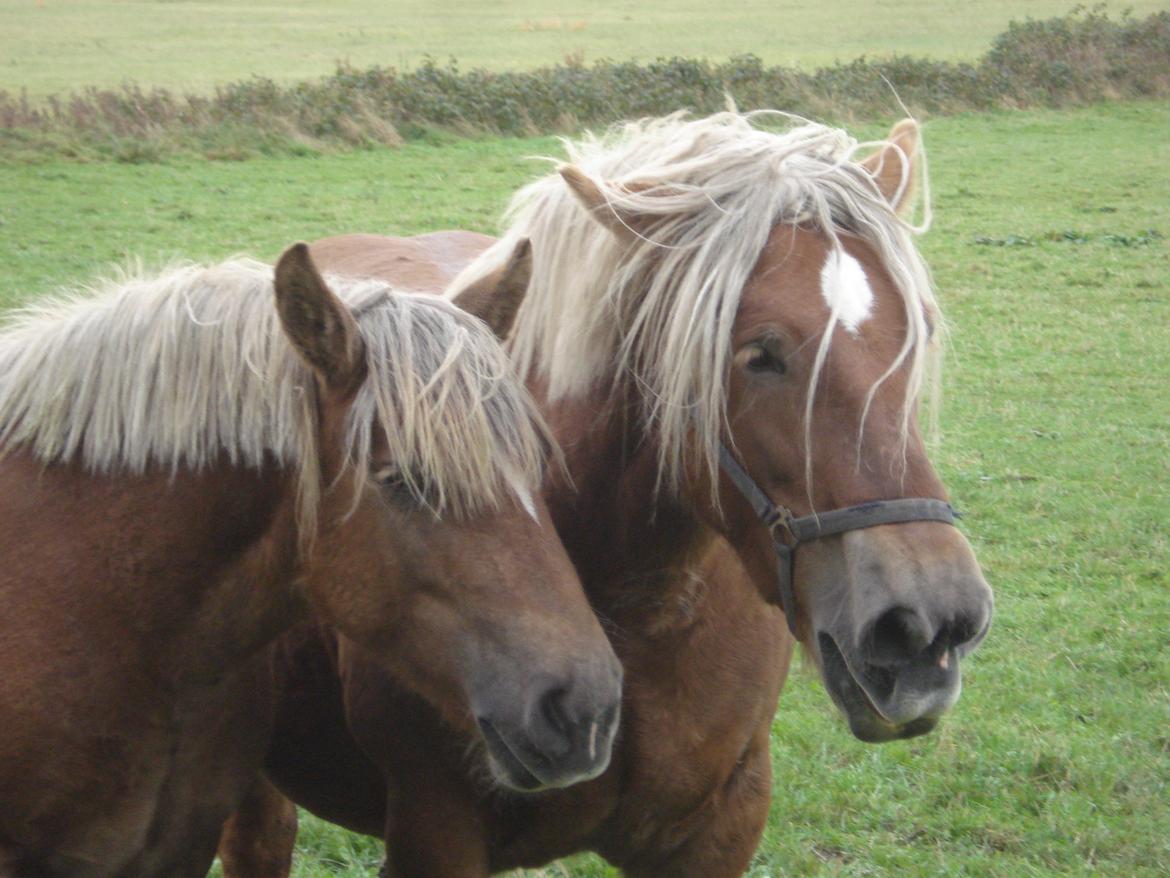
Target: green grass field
<point>1051,251</point>
<point>49,46</point>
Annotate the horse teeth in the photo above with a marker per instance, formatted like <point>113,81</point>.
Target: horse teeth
<point>944,660</point>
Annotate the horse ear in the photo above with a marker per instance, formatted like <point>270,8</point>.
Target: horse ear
<point>893,166</point>
<point>496,298</point>
<point>621,222</point>
<point>320,327</point>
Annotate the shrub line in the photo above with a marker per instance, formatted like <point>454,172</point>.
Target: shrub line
<point>1079,58</point>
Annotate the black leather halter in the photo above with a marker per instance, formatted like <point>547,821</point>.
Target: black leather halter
<point>813,527</point>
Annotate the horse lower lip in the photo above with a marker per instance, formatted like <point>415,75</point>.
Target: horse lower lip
<point>872,680</point>
<point>878,686</point>
<point>519,774</point>
<point>835,662</point>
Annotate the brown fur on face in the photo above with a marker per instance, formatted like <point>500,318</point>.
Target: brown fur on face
<point>876,593</point>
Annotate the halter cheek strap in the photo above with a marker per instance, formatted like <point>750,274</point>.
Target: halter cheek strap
<point>812,527</point>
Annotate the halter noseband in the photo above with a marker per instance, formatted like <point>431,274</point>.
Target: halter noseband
<point>813,527</point>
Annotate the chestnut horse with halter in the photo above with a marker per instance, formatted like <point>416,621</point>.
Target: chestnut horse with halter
<point>189,467</point>
<point>728,332</point>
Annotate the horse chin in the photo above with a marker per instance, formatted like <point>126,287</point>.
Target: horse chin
<point>911,701</point>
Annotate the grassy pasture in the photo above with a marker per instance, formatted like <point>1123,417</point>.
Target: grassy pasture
<point>50,46</point>
<point>1051,251</point>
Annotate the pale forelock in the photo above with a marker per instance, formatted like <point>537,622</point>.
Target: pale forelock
<point>660,310</point>
<point>462,430</point>
<point>180,369</point>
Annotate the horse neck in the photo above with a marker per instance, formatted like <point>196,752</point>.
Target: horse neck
<point>634,544</point>
<point>193,569</point>
<point>251,595</point>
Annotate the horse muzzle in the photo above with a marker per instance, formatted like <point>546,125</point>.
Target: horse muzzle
<point>563,736</point>
<point>891,651</point>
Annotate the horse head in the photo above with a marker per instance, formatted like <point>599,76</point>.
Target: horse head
<point>431,548</point>
<point>778,321</point>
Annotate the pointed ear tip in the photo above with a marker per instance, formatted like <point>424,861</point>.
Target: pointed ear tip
<point>295,253</point>
<point>906,130</point>
<point>575,177</point>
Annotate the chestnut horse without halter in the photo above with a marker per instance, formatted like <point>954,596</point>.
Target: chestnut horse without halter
<point>187,471</point>
<point>728,331</point>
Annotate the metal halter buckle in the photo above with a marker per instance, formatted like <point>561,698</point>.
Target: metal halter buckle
<point>780,517</point>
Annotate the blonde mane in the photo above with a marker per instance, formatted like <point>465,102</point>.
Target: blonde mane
<point>657,306</point>
<point>184,368</point>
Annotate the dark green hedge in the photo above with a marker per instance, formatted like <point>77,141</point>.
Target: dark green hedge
<point>1074,59</point>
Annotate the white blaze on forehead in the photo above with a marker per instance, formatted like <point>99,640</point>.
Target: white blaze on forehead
<point>516,483</point>
<point>846,289</point>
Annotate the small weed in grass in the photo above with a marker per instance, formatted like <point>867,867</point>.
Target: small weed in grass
<point>1009,241</point>
<point>1069,236</point>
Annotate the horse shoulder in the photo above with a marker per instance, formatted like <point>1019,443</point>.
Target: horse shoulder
<point>107,722</point>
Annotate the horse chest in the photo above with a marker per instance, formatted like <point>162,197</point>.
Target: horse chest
<point>216,734</point>
<point>219,734</point>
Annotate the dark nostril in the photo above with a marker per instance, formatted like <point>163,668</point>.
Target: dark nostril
<point>898,636</point>
<point>554,710</point>
<point>961,631</point>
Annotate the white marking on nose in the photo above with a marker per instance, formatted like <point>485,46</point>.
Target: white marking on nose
<point>593,740</point>
<point>846,289</point>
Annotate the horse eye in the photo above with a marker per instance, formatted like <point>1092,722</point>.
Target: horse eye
<point>389,477</point>
<point>397,487</point>
<point>764,359</point>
